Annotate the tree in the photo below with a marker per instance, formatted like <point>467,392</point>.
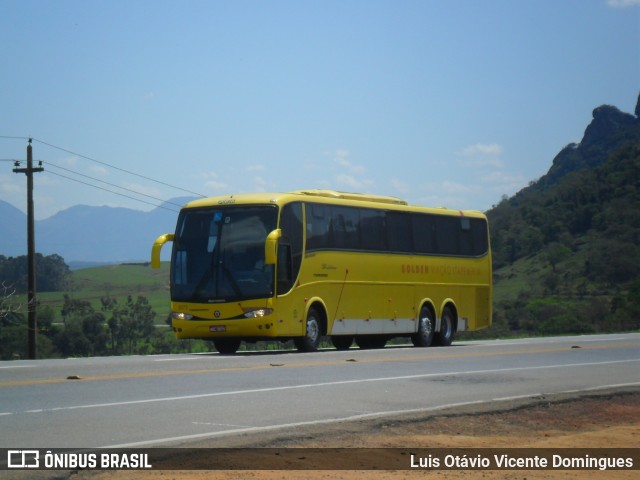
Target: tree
<point>52,273</point>
<point>131,326</point>
<point>84,332</point>
<point>555,253</point>
<point>8,303</point>
<point>12,325</point>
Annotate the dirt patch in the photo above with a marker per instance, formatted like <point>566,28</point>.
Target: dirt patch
<point>606,419</point>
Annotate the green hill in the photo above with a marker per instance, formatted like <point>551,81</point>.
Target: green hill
<point>107,310</point>
<point>116,281</point>
<point>566,249</point>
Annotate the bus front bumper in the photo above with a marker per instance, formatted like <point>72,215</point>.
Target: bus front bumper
<point>236,328</point>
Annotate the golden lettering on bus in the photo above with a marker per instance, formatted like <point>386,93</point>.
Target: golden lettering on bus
<point>424,269</point>
<point>415,268</point>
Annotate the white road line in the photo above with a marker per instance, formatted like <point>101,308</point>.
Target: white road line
<point>364,416</point>
<point>175,359</point>
<point>313,385</point>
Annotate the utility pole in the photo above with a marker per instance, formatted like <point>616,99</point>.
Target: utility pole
<point>32,330</point>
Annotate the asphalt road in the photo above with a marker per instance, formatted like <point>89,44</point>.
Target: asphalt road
<point>173,399</point>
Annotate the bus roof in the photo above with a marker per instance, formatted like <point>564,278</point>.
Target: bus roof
<point>325,196</point>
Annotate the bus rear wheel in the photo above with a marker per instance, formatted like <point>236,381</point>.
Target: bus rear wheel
<point>444,337</point>
<point>311,340</point>
<point>342,342</point>
<point>366,342</point>
<point>424,336</point>
<point>227,346</point>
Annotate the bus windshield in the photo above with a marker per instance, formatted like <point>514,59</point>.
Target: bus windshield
<point>218,254</point>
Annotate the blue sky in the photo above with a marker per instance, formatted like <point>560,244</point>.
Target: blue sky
<point>452,102</point>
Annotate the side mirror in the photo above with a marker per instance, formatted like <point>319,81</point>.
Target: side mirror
<point>157,246</point>
<point>270,247</point>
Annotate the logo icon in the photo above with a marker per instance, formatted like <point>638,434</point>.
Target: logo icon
<point>23,458</point>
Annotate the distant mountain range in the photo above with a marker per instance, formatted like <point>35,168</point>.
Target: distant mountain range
<point>90,235</point>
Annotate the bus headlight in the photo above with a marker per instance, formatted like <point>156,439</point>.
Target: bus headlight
<point>181,316</point>
<point>257,312</point>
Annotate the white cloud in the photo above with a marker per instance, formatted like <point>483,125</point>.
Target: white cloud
<point>483,154</point>
<point>9,186</point>
<point>70,161</point>
<point>445,193</point>
<point>99,170</point>
<point>351,183</point>
<point>341,154</point>
<point>482,149</point>
<point>400,187</point>
<point>499,177</point>
<point>213,184</point>
<point>454,187</point>
<point>216,186</point>
<point>144,190</point>
<point>503,182</point>
<point>262,185</point>
<point>341,158</point>
<point>622,3</point>
<point>256,168</point>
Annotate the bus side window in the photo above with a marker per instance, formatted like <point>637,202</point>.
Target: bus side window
<point>466,237</point>
<point>399,237</point>
<point>344,228</point>
<point>317,226</point>
<point>372,230</point>
<point>289,246</point>
<point>447,235</point>
<point>424,233</point>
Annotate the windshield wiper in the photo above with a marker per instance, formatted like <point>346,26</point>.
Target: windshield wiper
<point>232,280</point>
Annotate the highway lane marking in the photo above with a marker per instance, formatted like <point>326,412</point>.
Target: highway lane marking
<point>310,385</point>
<point>362,416</point>
<point>176,359</point>
<point>121,376</point>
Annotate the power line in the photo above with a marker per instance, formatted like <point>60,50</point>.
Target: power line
<point>14,138</point>
<point>111,185</point>
<point>30,139</point>
<point>114,167</point>
<point>111,191</point>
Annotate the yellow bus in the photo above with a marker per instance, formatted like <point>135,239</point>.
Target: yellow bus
<point>312,263</point>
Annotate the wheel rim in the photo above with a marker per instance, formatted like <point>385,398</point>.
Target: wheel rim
<point>312,329</point>
<point>447,325</point>
<point>426,327</point>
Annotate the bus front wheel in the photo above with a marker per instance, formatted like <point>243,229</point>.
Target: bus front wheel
<point>227,346</point>
<point>311,340</point>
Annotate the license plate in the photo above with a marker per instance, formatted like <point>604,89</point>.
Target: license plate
<point>217,328</point>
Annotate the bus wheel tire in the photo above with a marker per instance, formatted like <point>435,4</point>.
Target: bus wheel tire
<point>311,341</point>
<point>367,342</point>
<point>342,342</point>
<point>424,336</point>
<point>444,337</point>
<point>227,346</point>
